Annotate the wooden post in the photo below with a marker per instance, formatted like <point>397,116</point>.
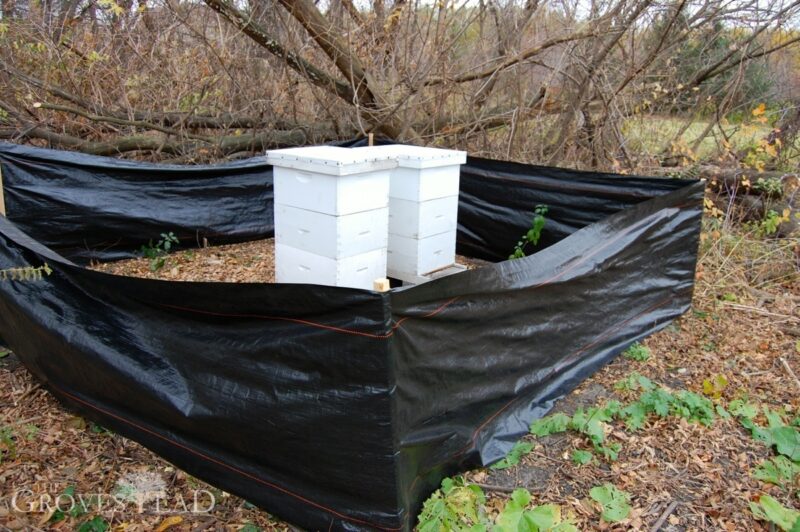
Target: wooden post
<point>371,139</point>
<point>381,285</point>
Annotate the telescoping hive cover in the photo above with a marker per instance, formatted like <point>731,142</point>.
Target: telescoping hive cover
<point>333,408</point>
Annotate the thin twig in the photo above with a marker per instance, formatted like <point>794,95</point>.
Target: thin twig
<point>663,517</point>
<point>761,311</point>
<point>789,371</point>
<point>501,489</point>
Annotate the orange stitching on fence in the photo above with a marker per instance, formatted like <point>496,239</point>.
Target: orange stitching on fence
<point>315,324</point>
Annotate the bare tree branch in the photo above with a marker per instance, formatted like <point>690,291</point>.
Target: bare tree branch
<point>260,35</point>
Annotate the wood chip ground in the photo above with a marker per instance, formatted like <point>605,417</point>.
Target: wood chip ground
<point>248,262</point>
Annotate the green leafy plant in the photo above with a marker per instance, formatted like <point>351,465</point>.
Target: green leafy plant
<point>95,524</point>
<point>610,451</point>
<point>8,445</point>
<point>785,438</point>
<point>614,502</point>
<point>516,517</point>
<point>637,352</point>
<point>454,506</point>
<point>157,253</point>
<point>31,431</point>
<point>661,402</point>
<point>770,510</point>
<point>457,506</point>
<point>778,470</point>
<point>741,408</point>
<point>581,457</point>
<point>651,401</point>
<point>552,424</point>
<point>591,422</point>
<point>81,506</point>
<point>772,221</point>
<point>99,429</point>
<point>533,234</point>
<point>250,527</point>
<point>634,382</point>
<point>520,449</point>
<point>693,407</point>
<point>771,186</point>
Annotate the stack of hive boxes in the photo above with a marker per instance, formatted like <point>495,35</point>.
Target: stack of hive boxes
<point>423,211</point>
<point>331,215</point>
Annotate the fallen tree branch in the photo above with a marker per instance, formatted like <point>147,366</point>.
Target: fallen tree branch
<point>115,120</point>
<point>223,145</point>
<point>490,119</point>
<point>741,180</point>
<point>152,119</point>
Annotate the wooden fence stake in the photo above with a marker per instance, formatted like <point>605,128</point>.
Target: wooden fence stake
<point>381,285</point>
<point>2,194</point>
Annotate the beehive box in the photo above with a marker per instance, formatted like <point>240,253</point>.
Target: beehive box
<point>335,237</point>
<point>331,215</point>
<point>331,180</point>
<point>423,210</point>
<point>294,265</point>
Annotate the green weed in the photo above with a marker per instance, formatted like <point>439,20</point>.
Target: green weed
<point>95,524</point>
<point>615,502</point>
<point>637,352</point>
<point>8,444</point>
<point>520,449</point>
<point>516,516</point>
<point>772,511</point>
<point>581,457</point>
<point>534,233</point>
<point>157,253</point>
<point>458,506</point>
<point>778,470</point>
<point>455,506</point>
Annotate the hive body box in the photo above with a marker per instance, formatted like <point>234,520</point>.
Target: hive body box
<point>331,215</point>
<point>423,211</point>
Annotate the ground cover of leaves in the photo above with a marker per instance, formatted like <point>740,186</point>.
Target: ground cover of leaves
<point>744,326</point>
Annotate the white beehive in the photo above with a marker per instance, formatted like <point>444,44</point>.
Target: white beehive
<point>331,215</point>
<point>423,174</point>
<point>420,219</point>
<point>334,237</point>
<point>330,179</point>
<point>294,265</point>
<point>415,257</point>
<point>423,210</point>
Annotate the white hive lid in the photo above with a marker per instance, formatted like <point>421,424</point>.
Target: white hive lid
<point>331,160</point>
<point>420,157</point>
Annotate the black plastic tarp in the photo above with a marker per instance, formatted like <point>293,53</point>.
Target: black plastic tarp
<point>333,408</point>
<point>101,208</point>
